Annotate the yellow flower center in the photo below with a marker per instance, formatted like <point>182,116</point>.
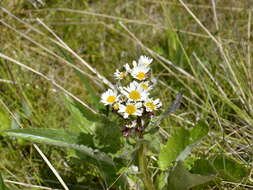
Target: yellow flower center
<point>141,75</point>
<point>122,75</point>
<point>111,99</point>
<point>116,106</point>
<point>150,105</point>
<point>144,85</point>
<point>134,95</point>
<point>130,109</point>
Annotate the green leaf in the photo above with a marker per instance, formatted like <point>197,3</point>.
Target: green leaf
<point>77,121</point>
<point>203,167</point>
<point>78,141</point>
<point>180,144</point>
<point>224,167</point>
<point>108,137</point>
<point>4,120</point>
<point>229,169</point>
<point>93,97</point>
<point>88,114</point>
<point>161,180</point>
<point>198,132</point>
<point>181,179</point>
<point>175,145</point>
<point>2,185</point>
<point>153,142</point>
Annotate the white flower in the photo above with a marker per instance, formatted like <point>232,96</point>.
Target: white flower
<point>146,85</point>
<point>140,71</point>
<point>116,106</point>
<point>131,125</point>
<point>152,105</point>
<point>109,97</point>
<point>134,92</point>
<point>119,75</point>
<point>144,61</point>
<point>134,168</point>
<point>131,109</point>
<point>127,67</point>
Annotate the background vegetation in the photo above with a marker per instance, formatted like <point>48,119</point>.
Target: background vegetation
<point>202,48</point>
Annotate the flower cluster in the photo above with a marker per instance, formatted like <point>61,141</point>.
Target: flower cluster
<point>132,99</point>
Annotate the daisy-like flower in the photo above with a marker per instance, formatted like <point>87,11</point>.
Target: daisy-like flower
<point>134,92</point>
<point>131,109</point>
<point>144,60</point>
<point>146,85</point>
<point>139,71</point>
<point>109,97</point>
<point>119,75</point>
<point>152,105</point>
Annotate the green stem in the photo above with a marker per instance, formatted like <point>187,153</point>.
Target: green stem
<point>144,169</point>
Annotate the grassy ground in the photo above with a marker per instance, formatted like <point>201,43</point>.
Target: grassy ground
<point>203,49</point>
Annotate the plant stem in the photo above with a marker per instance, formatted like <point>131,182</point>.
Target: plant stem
<point>144,169</point>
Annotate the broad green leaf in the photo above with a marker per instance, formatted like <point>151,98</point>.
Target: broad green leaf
<point>181,179</point>
<point>226,168</point>
<point>229,169</point>
<point>181,143</point>
<point>2,185</point>
<point>153,142</point>
<point>78,141</point>
<point>108,137</point>
<point>77,121</point>
<point>175,145</point>
<point>199,131</point>
<point>203,167</point>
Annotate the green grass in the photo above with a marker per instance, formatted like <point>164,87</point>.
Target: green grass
<point>216,81</point>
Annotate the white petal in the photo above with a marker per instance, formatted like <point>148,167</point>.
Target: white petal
<point>125,115</point>
<point>156,101</point>
<point>139,112</point>
<point>134,63</point>
<point>138,105</point>
<point>127,67</point>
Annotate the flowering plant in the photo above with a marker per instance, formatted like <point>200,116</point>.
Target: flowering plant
<point>131,97</point>
<point>140,161</point>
